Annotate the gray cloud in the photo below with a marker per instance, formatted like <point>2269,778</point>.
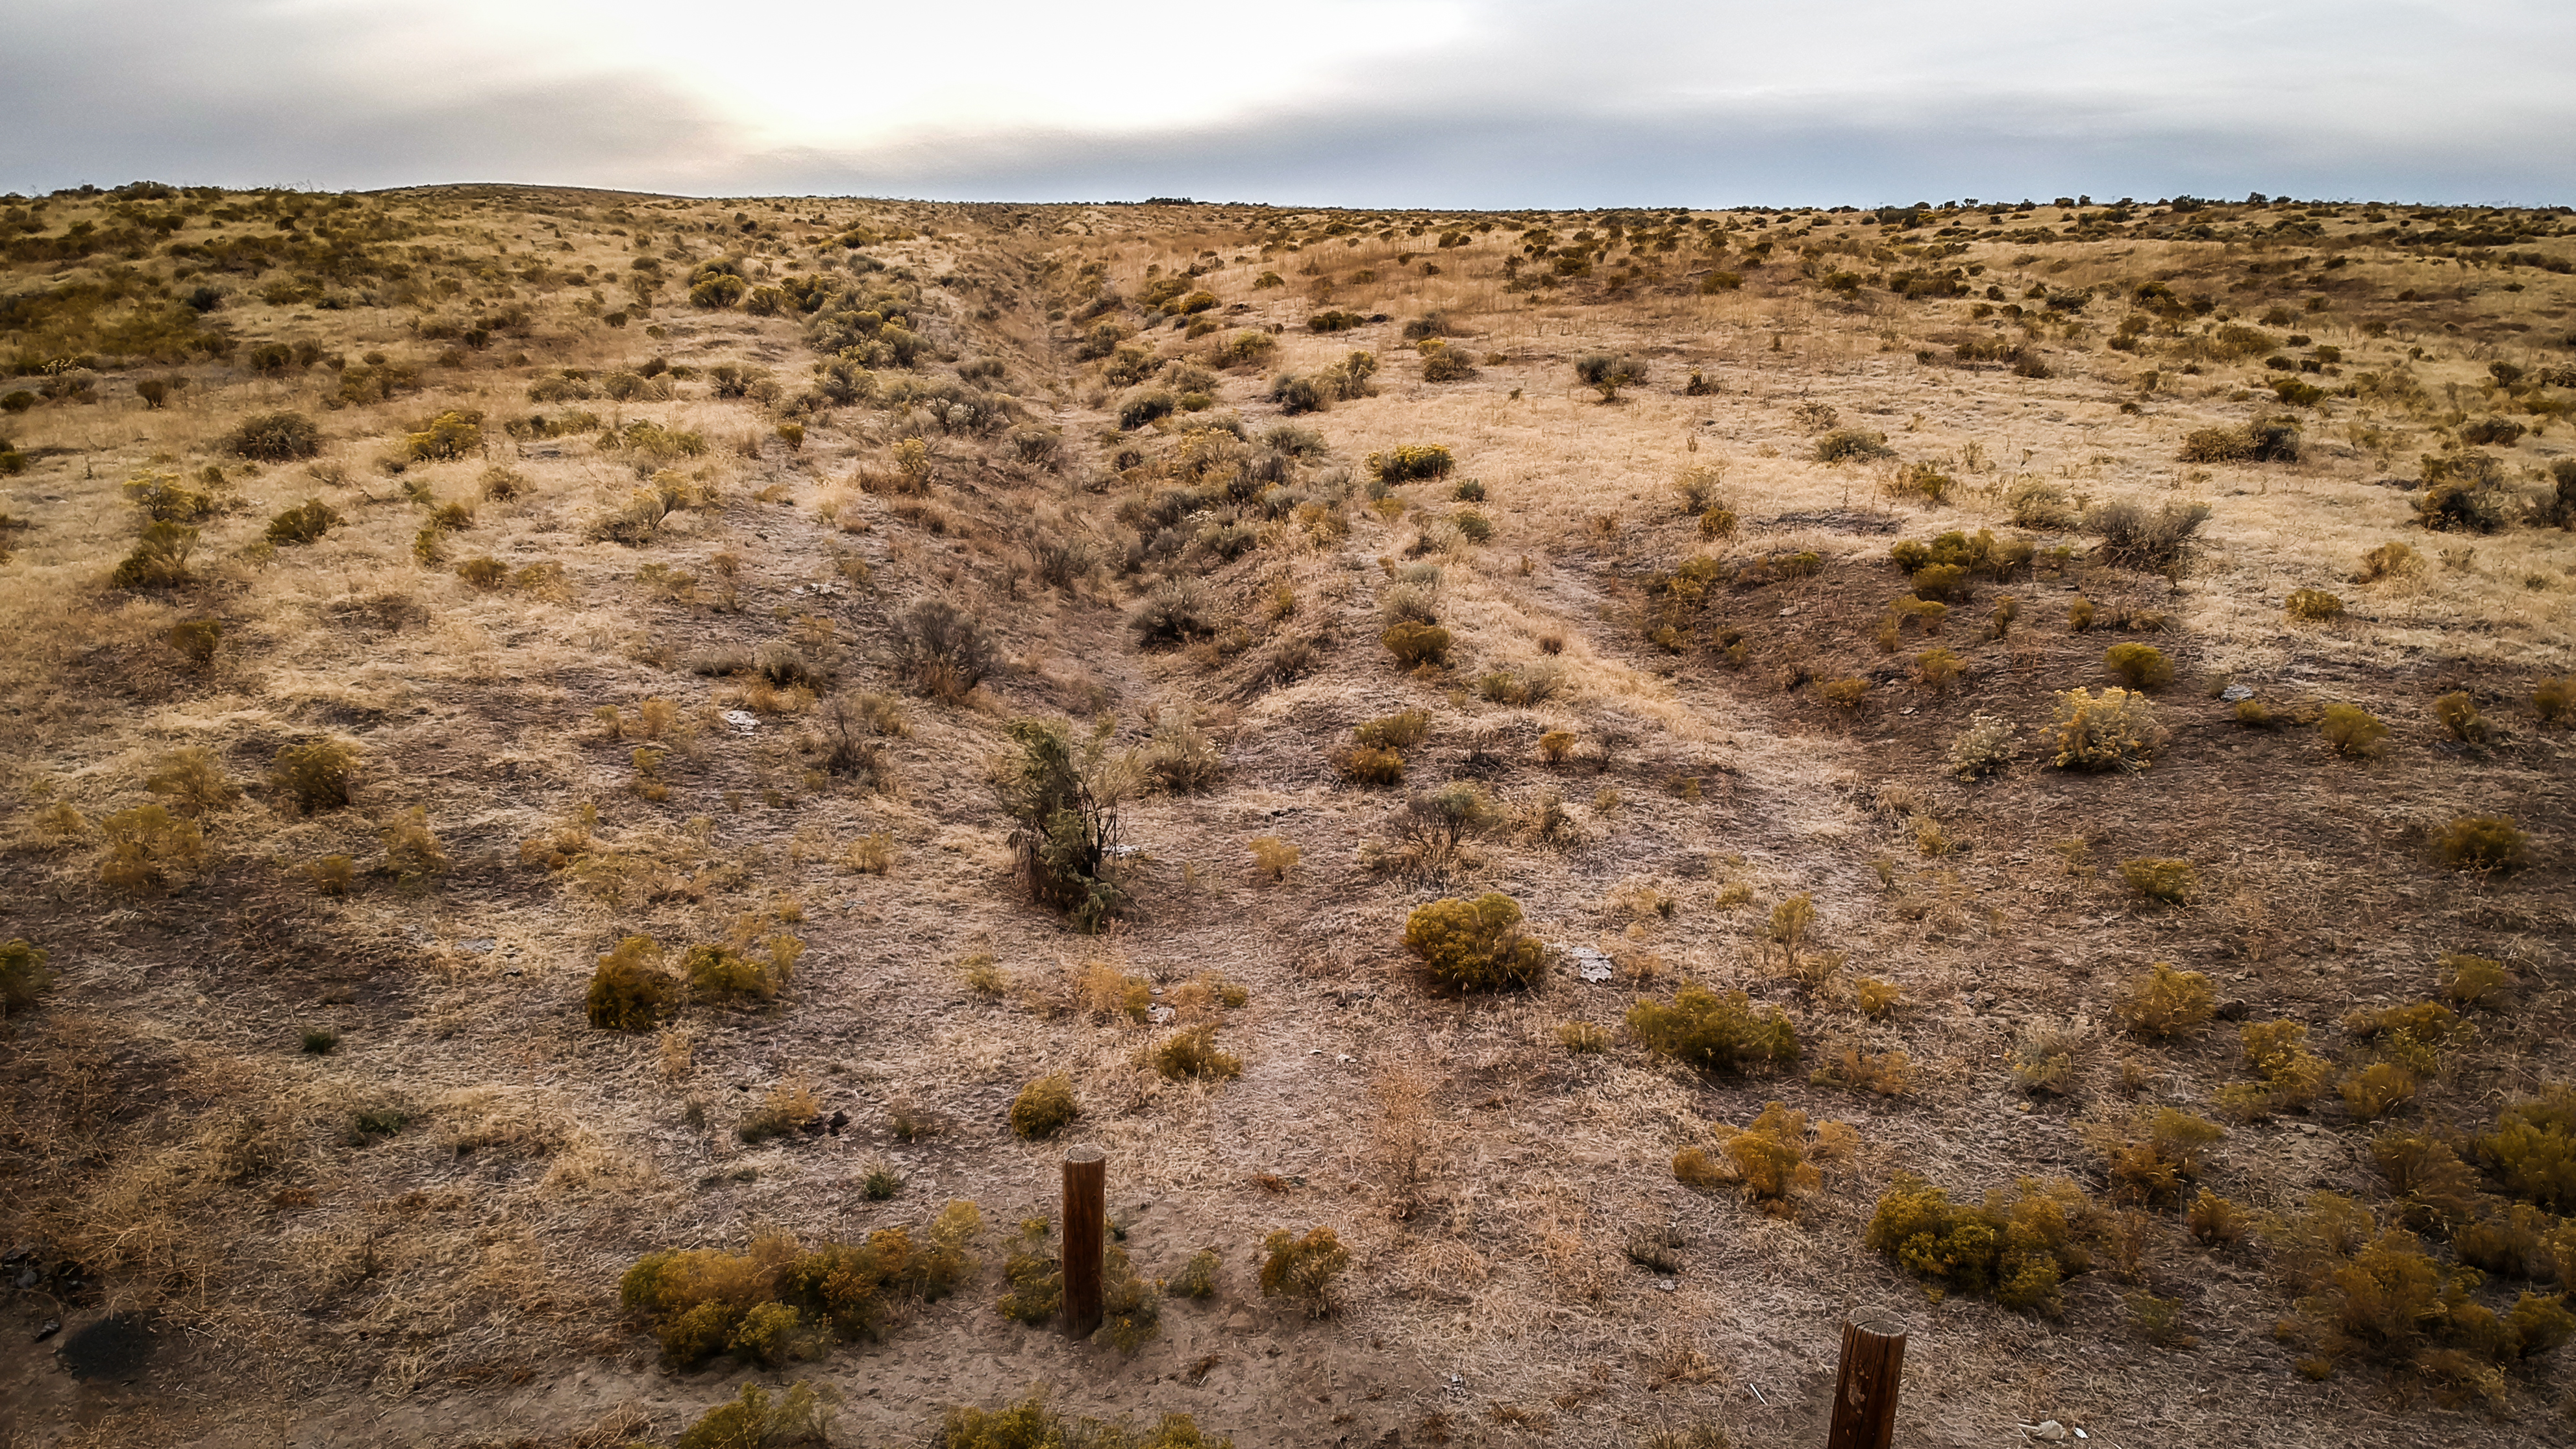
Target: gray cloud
<point>1535,103</point>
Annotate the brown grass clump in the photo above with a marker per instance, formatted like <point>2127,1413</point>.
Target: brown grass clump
<point>2166,1003</point>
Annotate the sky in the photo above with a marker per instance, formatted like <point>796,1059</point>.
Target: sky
<point>1446,104</point>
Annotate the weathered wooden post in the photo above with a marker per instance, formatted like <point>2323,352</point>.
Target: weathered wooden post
<point>1865,1391</point>
<point>1086,1236</point>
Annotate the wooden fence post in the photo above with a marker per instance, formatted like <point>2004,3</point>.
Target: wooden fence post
<point>1873,1365</point>
<point>1086,1236</point>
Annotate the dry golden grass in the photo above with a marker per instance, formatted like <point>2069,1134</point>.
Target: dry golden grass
<point>435,1211</point>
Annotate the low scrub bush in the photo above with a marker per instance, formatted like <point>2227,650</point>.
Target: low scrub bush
<point>1365,765</point>
<point>2373,1294</point>
<point>2291,1074</point>
<point>2314,606</point>
<point>1607,372</point>
<point>940,651</point>
<point>2264,440</point>
<point>2139,666</point>
<point>1178,611</point>
<point>1475,945</point>
<point>1411,462</point>
<point>1940,567</point>
<point>2554,700</point>
<point>1305,1270</point>
<point>1984,748</point>
<point>1417,645</point>
<point>2481,843</point>
<point>2465,491</point>
<point>1852,445</point>
<point>1044,1107</point>
<point>1030,1424</point>
<point>630,990</point>
<point>741,969</point>
<point>1715,1033</point>
<point>2018,1249</point>
<point>159,560</point>
<point>2473,980</point>
<point>2112,730</point>
<point>2351,731</point>
<point>2389,561</point>
<point>2531,1149</point>
<point>2154,1157</point>
<point>1443,363</point>
<point>24,976</point>
<point>304,523</point>
<point>451,434</point>
<point>146,847</point>
<point>283,437</point>
<point>2165,1003</point>
<point>779,1301</point>
<point>2133,537</point>
<point>755,1420</point>
<point>2173,882</point>
<point>2458,714</point>
<point>1192,1054</point>
<point>318,776</point>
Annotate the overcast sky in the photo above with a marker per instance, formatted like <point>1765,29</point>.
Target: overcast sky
<point>1433,103</point>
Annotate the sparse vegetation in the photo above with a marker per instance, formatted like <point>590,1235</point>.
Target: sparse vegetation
<point>940,586</point>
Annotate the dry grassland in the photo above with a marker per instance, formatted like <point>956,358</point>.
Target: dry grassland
<point>614,627</point>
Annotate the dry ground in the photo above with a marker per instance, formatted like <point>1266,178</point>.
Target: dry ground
<point>174,1153</point>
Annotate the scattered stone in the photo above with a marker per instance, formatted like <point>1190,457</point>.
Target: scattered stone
<point>28,1277</point>
<point>2048,1430</point>
<point>2235,692</point>
<point>51,1327</point>
<point>2234,1009</point>
<point>744,722</point>
<point>1666,1285</point>
<point>1590,963</point>
<point>1160,1014</point>
<point>478,945</point>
